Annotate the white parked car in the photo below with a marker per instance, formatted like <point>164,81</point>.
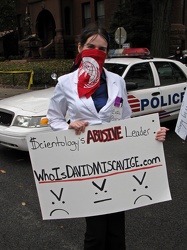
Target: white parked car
<point>21,115</point>
<point>153,85</point>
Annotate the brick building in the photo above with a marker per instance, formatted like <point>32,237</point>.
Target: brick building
<point>58,22</point>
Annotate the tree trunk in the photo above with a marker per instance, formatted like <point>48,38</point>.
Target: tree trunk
<point>161,27</point>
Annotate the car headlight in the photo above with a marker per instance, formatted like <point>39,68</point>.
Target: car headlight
<point>30,121</point>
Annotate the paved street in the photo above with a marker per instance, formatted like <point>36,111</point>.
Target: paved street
<point>156,227</point>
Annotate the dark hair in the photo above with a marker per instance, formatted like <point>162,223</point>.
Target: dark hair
<point>90,30</point>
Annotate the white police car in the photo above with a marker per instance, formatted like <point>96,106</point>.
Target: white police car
<point>153,84</point>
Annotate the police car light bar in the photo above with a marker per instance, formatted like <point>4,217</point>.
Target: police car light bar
<point>129,52</point>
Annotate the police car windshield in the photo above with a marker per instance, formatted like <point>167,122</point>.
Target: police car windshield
<point>115,68</point>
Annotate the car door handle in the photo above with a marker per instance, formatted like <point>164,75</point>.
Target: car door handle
<point>155,93</point>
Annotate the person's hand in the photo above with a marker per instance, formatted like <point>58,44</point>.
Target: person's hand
<point>161,134</point>
<point>78,126</point>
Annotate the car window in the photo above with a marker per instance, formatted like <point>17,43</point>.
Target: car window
<point>169,73</point>
<point>141,74</point>
<point>115,68</point>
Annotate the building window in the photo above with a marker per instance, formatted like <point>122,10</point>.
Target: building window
<point>100,13</point>
<point>86,14</point>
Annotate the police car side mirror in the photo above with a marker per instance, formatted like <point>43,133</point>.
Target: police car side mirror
<point>54,76</point>
<point>131,85</point>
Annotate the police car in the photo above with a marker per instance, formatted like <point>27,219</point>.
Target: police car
<point>153,84</point>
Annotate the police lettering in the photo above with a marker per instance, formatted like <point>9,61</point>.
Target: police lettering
<point>104,135</point>
<point>162,101</point>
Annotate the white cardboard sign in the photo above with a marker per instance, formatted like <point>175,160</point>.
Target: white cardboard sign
<point>181,126</point>
<point>111,167</point>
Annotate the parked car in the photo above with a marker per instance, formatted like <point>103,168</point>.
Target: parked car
<point>21,115</point>
<point>153,85</point>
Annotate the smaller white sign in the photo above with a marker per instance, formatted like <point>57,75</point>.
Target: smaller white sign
<point>126,45</point>
<point>181,126</point>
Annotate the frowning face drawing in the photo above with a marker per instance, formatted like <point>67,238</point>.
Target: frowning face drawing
<point>58,202</point>
<point>143,188</point>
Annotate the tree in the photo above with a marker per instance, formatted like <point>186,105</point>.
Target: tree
<point>8,15</point>
<point>161,27</point>
<point>120,18</point>
<point>136,17</point>
<point>141,23</point>
<point>147,24</point>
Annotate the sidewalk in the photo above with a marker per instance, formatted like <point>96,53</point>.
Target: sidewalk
<point>7,92</point>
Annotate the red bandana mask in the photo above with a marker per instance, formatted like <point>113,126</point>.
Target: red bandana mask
<point>89,71</point>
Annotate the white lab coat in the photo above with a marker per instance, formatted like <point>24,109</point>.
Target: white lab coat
<point>66,98</point>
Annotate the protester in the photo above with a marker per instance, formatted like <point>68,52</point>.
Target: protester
<point>90,94</point>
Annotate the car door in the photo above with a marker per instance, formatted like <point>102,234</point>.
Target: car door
<point>145,98</point>
<point>172,87</point>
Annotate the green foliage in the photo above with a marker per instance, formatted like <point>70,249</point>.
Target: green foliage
<point>2,58</point>
<point>42,72</point>
<point>121,18</point>
<point>15,57</point>
<point>141,23</point>
<point>136,18</point>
